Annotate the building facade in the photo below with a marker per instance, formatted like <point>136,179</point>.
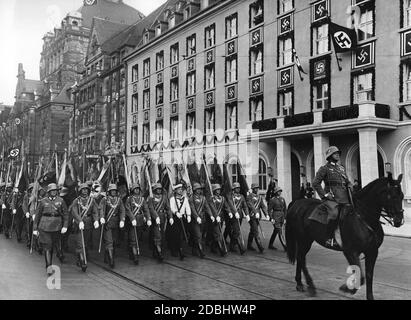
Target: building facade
<point>222,78</point>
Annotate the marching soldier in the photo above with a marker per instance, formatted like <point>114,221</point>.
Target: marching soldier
<point>179,207</point>
<point>17,210</point>
<point>160,213</point>
<point>256,206</point>
<point>2,205</point>
<point>7,210</point>
<point>202,215</point>
<point>86,216</point>
<point>26,210</point>
<point>277,210</point>
<point>222,208</point>
<point>139,215</point>
<point>241,210</point>
<point>112,216</point>
<point>337,190</point>
<point>50,223</point>
<point>34,207</point>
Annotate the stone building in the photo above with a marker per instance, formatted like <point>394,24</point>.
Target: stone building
<point>220,78</point>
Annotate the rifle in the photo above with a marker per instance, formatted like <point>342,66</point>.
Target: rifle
<point>182,224</point>
<point>84,246</point>
<point>110,215</point>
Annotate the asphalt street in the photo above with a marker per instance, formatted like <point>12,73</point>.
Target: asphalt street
<point>234,277</point>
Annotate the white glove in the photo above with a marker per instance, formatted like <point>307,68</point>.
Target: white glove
<point>212,219</point>
<point>230,215</point>
<point>3,206</point>
<point>237,216</point>
<point>257,216</point>
<point>14,211</point>
<point>133,223</point>
<point>121,224</point>
<point>199,220</point>
<point>149,223</point>
<point>171,221</point>
<point>102,221</point>
<point>81,225</point>
<point>272,221</point>
<point>63,231</point>
<point>158,221</point>
<point>218,219</point>
<point>189,219</point>
<point>179,215</point>
<point>27,215</point>
<point>96,225</point>
<point>248,218</point>
<point>34,217</point>
<point>36,233</point>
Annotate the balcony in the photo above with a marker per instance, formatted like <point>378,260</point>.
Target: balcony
<point>340,113</point>
<point>265,125</point>
<point>298,120</point>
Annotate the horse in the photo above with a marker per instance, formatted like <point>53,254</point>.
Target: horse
<point>360,229</point>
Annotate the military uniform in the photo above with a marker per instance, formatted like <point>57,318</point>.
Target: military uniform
<point>50,220</point>
<point>200,210</point>
<point>84,211</point>
<point>270,190</point>
<point>160,212</point>
<point>17,210</point>
<point>256,207</point>
<point>179,207</point>
<point>2,205</point>
<point>26,211</point>
<point>33,209</point>
<point>114,213</point>
<point>277,210</point>
<point>222,209</point>
<point>7,211</point>
<point>136,210</point>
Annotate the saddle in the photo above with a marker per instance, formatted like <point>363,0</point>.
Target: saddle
<point>322,213</point>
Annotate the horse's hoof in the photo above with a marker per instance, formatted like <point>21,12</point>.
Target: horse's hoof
<point>344,288</point>
<point>300,288</point>
<point>312,291</point>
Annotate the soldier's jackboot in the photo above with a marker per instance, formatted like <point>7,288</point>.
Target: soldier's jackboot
<point>130,253</point>
<point>200,250</point>
<point>240,246</point>
<point>221,249</point>
<point>259,245</point>
<point>181,253</point>
<point>111,258</point>
<point>82,262</point>
<point>135,255</point>
<point>250,243</point>
<point>232,246</point>
<point>272,239</point>
<point>48,256</point>
<point>60,255</point>
<point>159,253</point>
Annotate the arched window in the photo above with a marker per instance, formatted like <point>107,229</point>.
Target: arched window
<point>262,174</point>
<point>234,175</point>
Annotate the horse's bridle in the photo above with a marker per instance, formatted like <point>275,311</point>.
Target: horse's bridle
<point>385,214</point>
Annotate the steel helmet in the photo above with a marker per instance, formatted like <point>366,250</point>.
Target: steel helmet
<point>52,187</point>
<point>216,187</point>
<point>236,185</point>
<point>330,151</point>
<point>112,187</point>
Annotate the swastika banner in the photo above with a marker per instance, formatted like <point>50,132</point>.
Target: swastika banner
<point>344,39</point>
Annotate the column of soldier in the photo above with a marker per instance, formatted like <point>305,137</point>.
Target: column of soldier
<point>173,220</point>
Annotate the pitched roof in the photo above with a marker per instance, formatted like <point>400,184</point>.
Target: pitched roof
<point>106,29</point>
<point>116,11</point>
<point>63,97</point>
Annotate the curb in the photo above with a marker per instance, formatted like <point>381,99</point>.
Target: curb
<point>397,235</point>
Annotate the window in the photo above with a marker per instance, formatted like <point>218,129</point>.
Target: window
<point>174,90</point>
<point>262,174</point>
<point>191,45</point>
<point>321,96</point>
<point>134,103</point>
<point>113,114</point>
<point>234,174</point>
<point>210,36</point>
<point>174,53</point>
<point>285,5</point>
<point>114,61</point>
<point>231,117</point>
<point>320,38</point>
<point>174,128</point>
<point>134,136</point>
<point>256,13</point>
<point>159,94</point>
<point>231,29</point>
<point>256,106</point>
<point>363,88</point>
<point>91,117</point>
<point>146,67</point>
<point>209,77</point>
<point>158,30</point>
<point>122,79</point>
<point>210,121</point>
<point>172,22</point>
<point>159,131</point>
<point>286,103</point>
<point>146,99</point>
<point>231,69</point>
<point>191,83</point>
<point>285,52</point>
<point>407,83</point>
<point>122,110</point>
<point>205,4</point>
<point>407,13</point>
<point>187,13</point>
<point>366,27</point>
<point>146,38</point>
<point>256,65</point>
<point>191,124</point>
<point>160,61</point>
<point>146,134</point>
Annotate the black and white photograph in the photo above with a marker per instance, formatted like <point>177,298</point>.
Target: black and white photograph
<point>205,156</point>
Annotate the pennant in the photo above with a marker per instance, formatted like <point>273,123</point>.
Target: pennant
<point>344,39</point>
<point>298,63</point>
<point>88,3</point>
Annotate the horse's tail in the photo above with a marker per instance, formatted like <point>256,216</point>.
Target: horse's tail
<point>291,241</point>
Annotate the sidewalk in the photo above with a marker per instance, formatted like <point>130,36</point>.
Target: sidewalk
<point>403,232</point>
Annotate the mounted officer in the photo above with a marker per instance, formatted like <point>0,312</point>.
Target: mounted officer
<point>256,207</point>
<point>112,216</point>
<point>86,216</point>
<point>50,223</point>
<point>202,216</point>
<point>160,213</point>
<point>138,216</point>
<point>277,210</point>
<point>336,192</point>
<point>180,208</point>
<point>222,209</point>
